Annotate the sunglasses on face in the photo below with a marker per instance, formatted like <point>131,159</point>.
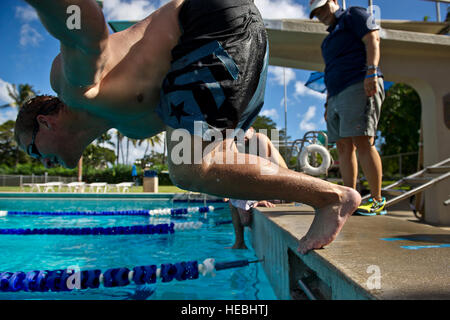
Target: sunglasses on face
<point>32,149</point>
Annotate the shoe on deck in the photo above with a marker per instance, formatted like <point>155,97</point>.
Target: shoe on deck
<point>372,208</point>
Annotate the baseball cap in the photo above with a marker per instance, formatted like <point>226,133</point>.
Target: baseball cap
<point>314,4</point>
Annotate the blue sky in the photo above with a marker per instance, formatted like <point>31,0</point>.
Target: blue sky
<point>27,51</point>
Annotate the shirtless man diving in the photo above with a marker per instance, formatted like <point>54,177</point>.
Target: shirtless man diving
<point>202,61</point>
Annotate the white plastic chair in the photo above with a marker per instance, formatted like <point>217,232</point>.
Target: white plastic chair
<point>124,186</point>
<point>33,186</point>
<point>49,186</point>
<point>97,187</point>
<point>76,186</point>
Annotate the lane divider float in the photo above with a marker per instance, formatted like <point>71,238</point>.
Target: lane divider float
<point>69,279</point>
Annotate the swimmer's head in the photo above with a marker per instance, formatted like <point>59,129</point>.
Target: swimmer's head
<point>40,132</point>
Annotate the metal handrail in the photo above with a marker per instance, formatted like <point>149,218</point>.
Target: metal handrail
<point>306,290</point>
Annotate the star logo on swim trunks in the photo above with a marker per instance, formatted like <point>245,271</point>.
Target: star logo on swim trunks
<point>177,111</point>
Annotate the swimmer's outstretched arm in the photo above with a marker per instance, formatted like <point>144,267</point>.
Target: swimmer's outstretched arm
<point>83,45</point>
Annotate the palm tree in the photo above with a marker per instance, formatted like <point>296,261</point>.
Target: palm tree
<point>152,141</point>
<point>19,96</point>
<point>105,138</point>
<point>119,141</point>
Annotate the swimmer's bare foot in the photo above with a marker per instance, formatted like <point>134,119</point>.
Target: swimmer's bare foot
<point>328,221</point>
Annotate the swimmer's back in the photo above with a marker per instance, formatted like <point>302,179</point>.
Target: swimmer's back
<point>137,59</point>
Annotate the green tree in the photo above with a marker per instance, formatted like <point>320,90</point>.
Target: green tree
<point>119,142</point>
<point>98,157</point>
<point>10,154</point>
<point>399,126</point>
<point>9,149</point>
<point>105,139</point>
<point>20,95</point>
<point>152,159</point>
<point>264,122</point>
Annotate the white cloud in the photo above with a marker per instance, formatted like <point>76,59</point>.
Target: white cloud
<point>135,10</point>
<point>305,124</point>
<point>277,75</point>
<point>322,121</point>
<point>302,90</point>
<point>139,9</point>
<point>4,97</point>
<point>271,113</point>
<point>281,9</point>
<point>288,104</point>
<point>26,14</point>
<point>29,36</point>
<point>8,114</point>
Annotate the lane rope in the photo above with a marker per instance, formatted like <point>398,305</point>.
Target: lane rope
<point>69,279</point>
<point>162,228</point>
<point>153,212</point>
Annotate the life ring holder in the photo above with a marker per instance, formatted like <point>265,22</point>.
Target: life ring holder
<point>307,167</point>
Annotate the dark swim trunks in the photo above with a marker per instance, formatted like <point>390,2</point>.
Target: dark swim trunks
<point>219,68</point>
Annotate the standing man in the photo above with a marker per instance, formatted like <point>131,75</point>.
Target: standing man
<point>134,174</point>
<point>355,93</point>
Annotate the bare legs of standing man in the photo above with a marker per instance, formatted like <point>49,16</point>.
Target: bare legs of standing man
<point>369,159</point>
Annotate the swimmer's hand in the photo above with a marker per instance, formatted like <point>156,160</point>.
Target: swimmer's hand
<point>264,203</point>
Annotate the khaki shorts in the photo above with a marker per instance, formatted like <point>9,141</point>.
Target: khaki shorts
<point>351,113</point>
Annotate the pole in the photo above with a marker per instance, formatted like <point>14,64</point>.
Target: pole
<point>438,11</point>
<point>285,112</point>
<point>118,147</point>
<point>80,170</point>
<point>344,5</point>
<point>164,153</point>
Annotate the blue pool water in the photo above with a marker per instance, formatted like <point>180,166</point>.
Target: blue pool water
<point>51,252</point>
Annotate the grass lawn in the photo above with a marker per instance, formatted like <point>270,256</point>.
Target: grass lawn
<point>161,189</point>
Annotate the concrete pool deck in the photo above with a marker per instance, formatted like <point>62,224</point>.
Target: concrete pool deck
<point>372,257</point>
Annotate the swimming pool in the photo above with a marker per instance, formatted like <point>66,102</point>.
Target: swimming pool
<point>51,252</point>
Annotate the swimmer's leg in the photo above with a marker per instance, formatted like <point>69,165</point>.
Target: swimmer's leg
<point>239,242</point>
<point>260,179</point>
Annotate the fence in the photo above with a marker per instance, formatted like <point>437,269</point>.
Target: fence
<point>20,180</point>
<point>395,164</point>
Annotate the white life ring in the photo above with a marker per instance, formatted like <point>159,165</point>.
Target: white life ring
<point>304,163</point>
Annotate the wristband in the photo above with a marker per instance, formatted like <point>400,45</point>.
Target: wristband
<point>372,67</point>
<point>372,75</point>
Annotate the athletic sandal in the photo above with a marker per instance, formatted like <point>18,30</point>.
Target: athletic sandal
<point>372,208</point>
